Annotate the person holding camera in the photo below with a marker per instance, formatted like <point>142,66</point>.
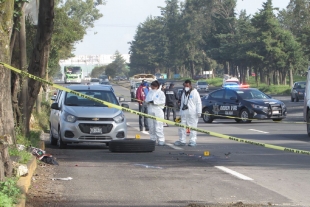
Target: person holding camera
<point>156,100</point>
<point>190,112</point>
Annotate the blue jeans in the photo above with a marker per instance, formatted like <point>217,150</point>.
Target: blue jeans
<point>143,109</point>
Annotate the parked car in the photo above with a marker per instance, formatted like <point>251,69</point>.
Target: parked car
<point>202,86</point>
<point>133,91</point>
<point>95,81</point>
<point>76,119</point>
<point>243,103</point>
<point>105,83</point>
<point>298,91</point>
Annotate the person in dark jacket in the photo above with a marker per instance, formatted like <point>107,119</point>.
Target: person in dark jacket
<point>141,95</point>
<point>171,101</point>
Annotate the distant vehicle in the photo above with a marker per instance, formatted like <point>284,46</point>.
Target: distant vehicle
<point>161,75</point>
<point>87,78</point>
<point>73,74</point>
<point>105,83</point>
<point>95,81</point>
<point>74,119</point>
<point>243,103</point>
<point>298,91</point>
<point>230,79</point>
<point>103,78</point>
<point>202,86</point>
<point>133,91</point>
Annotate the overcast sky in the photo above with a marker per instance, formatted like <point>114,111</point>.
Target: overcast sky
<point>121,17</point>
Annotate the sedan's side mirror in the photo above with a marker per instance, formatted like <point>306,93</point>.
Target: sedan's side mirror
<point>53,98</point>
<point>125,105</point>
<point>55,106</point>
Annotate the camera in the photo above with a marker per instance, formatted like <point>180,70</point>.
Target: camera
<point>185,107</point>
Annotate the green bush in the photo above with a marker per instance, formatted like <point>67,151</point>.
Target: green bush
<point>24,156</point>
<point>9,191</point>
<point>5,201</point>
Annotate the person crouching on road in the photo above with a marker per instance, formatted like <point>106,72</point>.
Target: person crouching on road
<point>142,92</point>
<point>190,113</point>
<point>156,100</point>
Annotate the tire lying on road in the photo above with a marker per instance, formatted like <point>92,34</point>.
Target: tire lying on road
<point>132,145</point>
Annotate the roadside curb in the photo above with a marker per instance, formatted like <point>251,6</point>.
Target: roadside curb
<point>25,182</point>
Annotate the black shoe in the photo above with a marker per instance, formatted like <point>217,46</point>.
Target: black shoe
<point>141,129</point>
<point>147,130</point>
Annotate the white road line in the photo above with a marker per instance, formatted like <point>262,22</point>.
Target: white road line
<point>234,173</point>
<point>128,124</point>
<point>259,131</point>
<point>173,147</point>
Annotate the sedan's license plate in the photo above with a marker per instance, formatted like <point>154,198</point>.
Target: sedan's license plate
<point>96,130</point>
<point>275,112</point>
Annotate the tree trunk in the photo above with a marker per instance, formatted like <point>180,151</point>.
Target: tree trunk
<point>38,62</point>
<point>6,25</point>
<point>23,66</point>
<point>6,112</point>
<point>291,77</point>
<point>261,76</point>
<point>192,65</point>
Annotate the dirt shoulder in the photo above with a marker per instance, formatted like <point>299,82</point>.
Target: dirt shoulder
<point>44,191</point>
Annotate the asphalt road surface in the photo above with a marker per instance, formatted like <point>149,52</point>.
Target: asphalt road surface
<point>234,172</point>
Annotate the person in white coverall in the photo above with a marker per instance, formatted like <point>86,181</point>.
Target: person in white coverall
<point>190,112</point>
<point>156,100</point>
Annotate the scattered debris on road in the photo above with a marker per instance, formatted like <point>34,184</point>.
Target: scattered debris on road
<point>68,178</point>
<point>42,156</point>
<point>148,166</point>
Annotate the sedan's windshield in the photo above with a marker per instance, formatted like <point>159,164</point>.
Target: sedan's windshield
<point>74,100</point>
<point>252,94</point>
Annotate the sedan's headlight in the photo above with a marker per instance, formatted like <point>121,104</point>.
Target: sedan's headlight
<point>283,106</point>
<point>257,106</point>
<point>119,118</point>
<point>69,117</point>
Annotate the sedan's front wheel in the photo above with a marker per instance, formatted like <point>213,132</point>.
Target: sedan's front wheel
<point>60,143</point>
<point>245,116</point>
<point>207,118</point>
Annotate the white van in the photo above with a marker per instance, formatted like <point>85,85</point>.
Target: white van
<point>307,103</point>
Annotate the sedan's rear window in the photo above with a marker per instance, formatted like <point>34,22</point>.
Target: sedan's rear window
<point>74,100</point>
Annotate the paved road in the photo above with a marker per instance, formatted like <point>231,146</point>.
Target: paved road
<point>234,172</point>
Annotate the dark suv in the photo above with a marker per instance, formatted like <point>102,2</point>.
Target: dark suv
<point>298,91</point>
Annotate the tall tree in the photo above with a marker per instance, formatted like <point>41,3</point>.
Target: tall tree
<point>38,62</point>
<point>6,25</point>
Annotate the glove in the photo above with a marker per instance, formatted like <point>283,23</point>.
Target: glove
<point>199,115</point>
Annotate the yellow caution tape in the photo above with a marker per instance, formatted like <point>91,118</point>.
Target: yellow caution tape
<point>214,134</point>
<point>224,116</point>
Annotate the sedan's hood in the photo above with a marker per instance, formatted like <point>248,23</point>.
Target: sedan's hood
<point>264,102</point>
<point>92,112</point>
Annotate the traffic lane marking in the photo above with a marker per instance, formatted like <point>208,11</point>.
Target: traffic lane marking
<point>174,147</point>
<point>255,130</point>
<point>234,173</point>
